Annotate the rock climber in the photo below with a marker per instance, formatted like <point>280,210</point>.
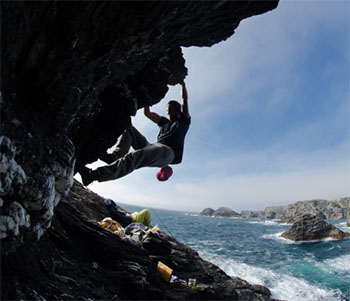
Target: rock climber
<point>125,219</point>
<point>167,150</point>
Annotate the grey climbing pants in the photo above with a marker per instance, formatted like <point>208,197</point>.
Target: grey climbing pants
<point>145,154</point>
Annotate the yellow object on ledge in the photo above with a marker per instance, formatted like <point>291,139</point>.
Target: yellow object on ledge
<point>164,271</point>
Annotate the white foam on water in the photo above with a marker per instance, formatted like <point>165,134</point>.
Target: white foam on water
<point>255,222</point>
<point>327,239</point>
<point>268,223</point>
<point>278,237</point>
<point>299,242</point>
<point>191,214</point>
<point>273,236</point>
<point>340,264</point>
<point>281,285</point>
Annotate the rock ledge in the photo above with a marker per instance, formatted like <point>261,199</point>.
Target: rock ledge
<point>76,259</point>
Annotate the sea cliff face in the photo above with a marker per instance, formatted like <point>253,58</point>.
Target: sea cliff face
<point>326,209</point>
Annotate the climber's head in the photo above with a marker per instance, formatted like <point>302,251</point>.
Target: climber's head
<point>173,110</point>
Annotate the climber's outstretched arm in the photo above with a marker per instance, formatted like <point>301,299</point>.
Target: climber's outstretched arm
<point>185,109</point>
<point>151,115</point>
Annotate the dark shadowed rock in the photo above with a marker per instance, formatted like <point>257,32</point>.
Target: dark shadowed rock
<point>73,74</point>
<point>77,259</point>
<point>241,283</point>
<point>207,212</point>
<point>299,215</point>
<point>311,227</point>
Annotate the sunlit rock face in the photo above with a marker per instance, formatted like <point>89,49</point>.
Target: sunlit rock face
<point>72,75</point>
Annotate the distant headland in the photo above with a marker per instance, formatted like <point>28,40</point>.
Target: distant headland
<point>326,209</point>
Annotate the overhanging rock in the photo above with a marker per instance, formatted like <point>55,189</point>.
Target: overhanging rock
<point>72,75</point>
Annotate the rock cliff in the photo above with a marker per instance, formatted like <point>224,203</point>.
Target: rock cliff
<point>327,209</point>
<point>331,210</point>
<point>311,227</point>
<point>72,75</point>
<point>253,213</point>
<point>76,259</point>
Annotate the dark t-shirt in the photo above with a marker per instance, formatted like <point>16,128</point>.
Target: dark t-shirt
<point>172,133</point>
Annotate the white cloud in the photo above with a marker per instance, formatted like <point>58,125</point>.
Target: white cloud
<point>239,181</point>
<point>263,55</point>
<point>256,191</point>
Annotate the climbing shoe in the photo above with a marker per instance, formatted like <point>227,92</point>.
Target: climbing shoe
<point>86,176</point>
<point>86,173</point>
<point>108,158</point>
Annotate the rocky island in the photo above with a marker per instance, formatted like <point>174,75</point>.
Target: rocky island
<point>220,212</point>
<point>312,227</point>
<point>73,74</point>
<point>324,209</point>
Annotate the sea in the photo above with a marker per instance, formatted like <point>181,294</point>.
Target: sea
<point>253,250</point>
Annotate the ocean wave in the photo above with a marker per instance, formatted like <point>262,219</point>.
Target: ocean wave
<point>299,242</point>
<point>278,237</point>
<point>254,222</point>
<point>210,243</point>
<point>267,223</point>
<point>191,214</point>
<point>340,264</point>
<point>281,285</point>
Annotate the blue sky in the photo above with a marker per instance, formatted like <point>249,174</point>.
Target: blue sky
<point>270,117</point>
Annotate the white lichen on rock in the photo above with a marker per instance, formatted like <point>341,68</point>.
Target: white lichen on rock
<point>11,173</point>
<point>12,176</point>
<point>17,217</point>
